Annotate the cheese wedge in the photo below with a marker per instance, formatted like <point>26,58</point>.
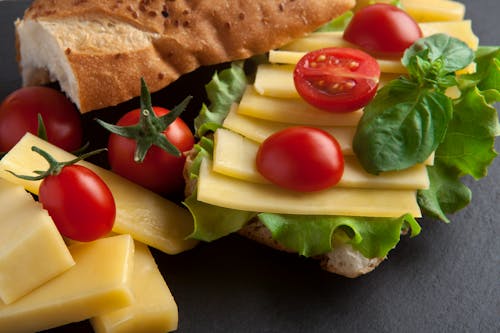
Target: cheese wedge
<point>154,309</point>
<point>32,250</point>
<point>146,216</point>
<point>275,80</point>
<point>235,156</point>
<point>292,111</point>
<point>97,283</point>
<point>258,130</point>
<point>229,192</point>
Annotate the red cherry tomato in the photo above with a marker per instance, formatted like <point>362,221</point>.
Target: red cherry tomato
<point>79,202</point>
<point>301,158</point>
<point>160,171</point>
<point>382,29</point>
<point>337,79</point>
<point>19,114</point>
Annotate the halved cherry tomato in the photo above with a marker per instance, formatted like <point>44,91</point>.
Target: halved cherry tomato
<point>80,203</point>
<point>301,158</point>
<point>19,114</point>
<point>382,29</point>
<point>337,79</point>
<point>160,171</point>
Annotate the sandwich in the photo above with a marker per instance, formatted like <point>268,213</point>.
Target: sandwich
<point>98,51</point>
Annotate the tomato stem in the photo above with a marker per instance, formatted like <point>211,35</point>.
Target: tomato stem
<point>149,130</point>
<point>55,167</point>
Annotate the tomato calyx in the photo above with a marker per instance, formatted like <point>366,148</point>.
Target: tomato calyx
<point>149,130</point>
<point>55,166</point>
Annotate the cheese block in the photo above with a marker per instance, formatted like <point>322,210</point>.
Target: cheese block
<point>235,156</point>
<point>426,10</point>
<point>292,111</point>
<point>141,213</point>
<point>154,309</point>
<point>276,80</point>
<point>32,251</point>
<point>96,284</point>
<point>258,129</point>
<point>292,57</point>
<point>219,190</point>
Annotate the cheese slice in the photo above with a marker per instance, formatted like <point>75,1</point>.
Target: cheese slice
<point>32,251</point>
<point>426,10</point>
<point>292,111</point>
<point>258,130</point>
<point>235,156</point>
<point>276,80</point>
<point>318,40</point>
<point>154,309</point>
<point>96,284</point>
<point>293,57</point>
<point>219,190</point>
<point>146,216</point>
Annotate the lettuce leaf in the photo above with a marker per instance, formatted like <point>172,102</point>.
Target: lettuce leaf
<point>338,23</point>
<point>213,222</point>
<point>313,235</point>
<point>446,193</point>
<point>225,88</point>
<point>469,145</point>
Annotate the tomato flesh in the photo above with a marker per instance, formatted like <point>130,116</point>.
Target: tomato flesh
<point>19,114</point>
<point>382,29</point>
<point>160,171</point>
<point>304,159</point>
<point>79,202</point>
<point>337,79</point>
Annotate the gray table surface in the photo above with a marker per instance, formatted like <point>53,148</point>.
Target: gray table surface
<point>445,280</point>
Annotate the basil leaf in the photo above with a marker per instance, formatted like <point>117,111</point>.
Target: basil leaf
<point>453,54</point>
<point>401,127</point>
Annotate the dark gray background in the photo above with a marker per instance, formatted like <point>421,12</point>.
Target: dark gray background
<point>445,280</point>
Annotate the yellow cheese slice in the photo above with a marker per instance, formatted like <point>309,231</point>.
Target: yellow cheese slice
<point>426,10</point>
<point>146,216</point>
<point>292,111</point>
<point>154,309</point>
<point>292,57</point>
<point>32,250</point>
<point>276,80</point>
<point>97,283</point>
<point>458,29</point>
<point>318,40</point>
<point>235,156</point>
<point>258,130</point>
<point>229,192</point>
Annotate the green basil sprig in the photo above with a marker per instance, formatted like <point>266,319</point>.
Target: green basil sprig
<point>409,117</point>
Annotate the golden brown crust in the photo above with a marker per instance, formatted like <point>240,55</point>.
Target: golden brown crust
<point>185,34</point>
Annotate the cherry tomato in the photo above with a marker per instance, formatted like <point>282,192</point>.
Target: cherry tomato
<point>382,29</point>
<point>19,114</point>
<point>301,158</point>
<point>79,202</point>
<point>337,79</point>
<point>160,171</point>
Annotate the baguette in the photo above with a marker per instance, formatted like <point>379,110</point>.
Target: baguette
<point>98,49</point>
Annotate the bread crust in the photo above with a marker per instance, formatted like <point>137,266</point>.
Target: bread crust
<point>184,34</point>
